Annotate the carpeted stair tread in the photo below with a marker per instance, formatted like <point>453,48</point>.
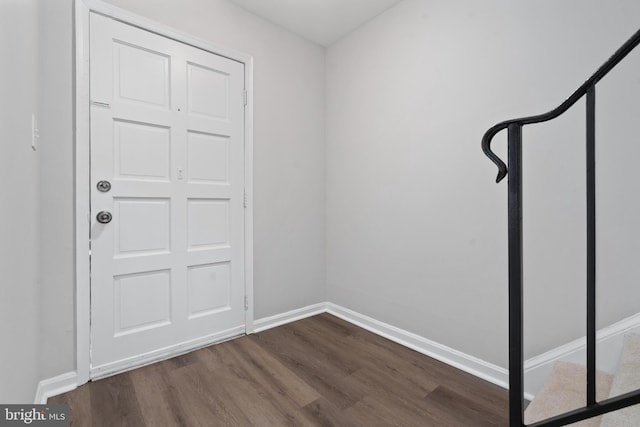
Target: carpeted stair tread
<point>565,390</point>
<point>627,379</point>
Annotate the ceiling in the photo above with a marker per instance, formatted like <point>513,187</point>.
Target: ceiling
<point>321,21</point>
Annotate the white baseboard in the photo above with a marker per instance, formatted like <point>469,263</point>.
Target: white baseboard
<point>609,346</point>
<point>288,317</point>
<point>450,356</point>
<point>465,362</point>
<point>54,386</point>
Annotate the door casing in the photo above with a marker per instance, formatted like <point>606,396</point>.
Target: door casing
<point>82,163</point>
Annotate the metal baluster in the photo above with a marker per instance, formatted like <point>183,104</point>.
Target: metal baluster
<point>591,246</point>
<point>516,359</point>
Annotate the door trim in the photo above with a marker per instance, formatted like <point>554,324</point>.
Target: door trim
<point>82,161</point>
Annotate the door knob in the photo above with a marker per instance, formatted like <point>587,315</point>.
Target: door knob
<point>104,217</point>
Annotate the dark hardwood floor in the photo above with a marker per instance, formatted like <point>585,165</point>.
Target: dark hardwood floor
<point>320,371</point>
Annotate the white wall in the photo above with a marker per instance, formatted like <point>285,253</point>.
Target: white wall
<point>19,207</point>
<point>416,226</point>
<point>288,144</point>
<point>56,221</point>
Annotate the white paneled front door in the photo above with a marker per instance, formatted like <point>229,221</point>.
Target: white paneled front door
<point>167,194</point>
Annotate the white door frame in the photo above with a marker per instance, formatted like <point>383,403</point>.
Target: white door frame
<point>82,170</point>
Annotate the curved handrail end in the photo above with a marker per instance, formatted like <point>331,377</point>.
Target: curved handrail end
<point>486,149</point>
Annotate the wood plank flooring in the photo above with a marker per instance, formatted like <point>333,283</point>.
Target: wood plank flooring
<point>320,371</point>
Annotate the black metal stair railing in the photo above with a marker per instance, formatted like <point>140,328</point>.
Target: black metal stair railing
<point>593,408</point>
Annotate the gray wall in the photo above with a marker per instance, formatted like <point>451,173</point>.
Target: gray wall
<point>37,293</point>
<point>19,226</point>
<point>56,183</point>
<point>416,226</point>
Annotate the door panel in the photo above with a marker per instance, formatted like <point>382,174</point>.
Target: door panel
<point>167,131</point>
<point>208,158</point>
<point>141,75</point>
<point>209,289</point>
<point>141,151</point>
<point>208,92</point>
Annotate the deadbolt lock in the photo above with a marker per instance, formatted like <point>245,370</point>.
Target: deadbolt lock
<point>104,186</point>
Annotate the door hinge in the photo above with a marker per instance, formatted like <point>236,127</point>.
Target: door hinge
<point>244,200</point>
<point>245,97</point>
<point>246,303</point>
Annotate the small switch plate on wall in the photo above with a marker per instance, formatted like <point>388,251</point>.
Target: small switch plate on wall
<point>35,132</point>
